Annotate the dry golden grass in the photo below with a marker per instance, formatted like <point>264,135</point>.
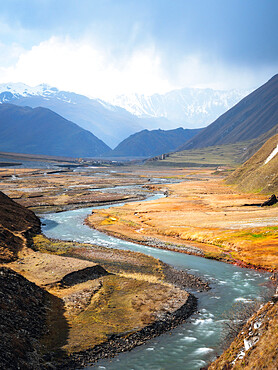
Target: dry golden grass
<point>209,213</point>
<point>44,268</point>
<point>88,313</point>
<point>263,355</point>
<point>121,305</point>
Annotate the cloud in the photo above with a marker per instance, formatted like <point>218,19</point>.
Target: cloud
<point>105,48</point>
<point>89,69</point>
<point>203,71</point>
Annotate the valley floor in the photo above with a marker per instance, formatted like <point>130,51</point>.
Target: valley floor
<point>200,215</point>
<point>100,301</point>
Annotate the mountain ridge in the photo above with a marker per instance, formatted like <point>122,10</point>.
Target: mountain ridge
<point>190,106</point>
<point>113,123</point>
<point>42,131</point>
<point>251,117</point>
<point>147,143</point>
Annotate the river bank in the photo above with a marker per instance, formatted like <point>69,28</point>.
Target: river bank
<point>127,341</point>
<point>70,226</point>
<point>155,291</point>
<point>193,345</point>
<point>206,218</point>
<point>131,299</point>
<point>193,248</point>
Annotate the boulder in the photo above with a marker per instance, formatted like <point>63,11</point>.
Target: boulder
<point>272,200</point>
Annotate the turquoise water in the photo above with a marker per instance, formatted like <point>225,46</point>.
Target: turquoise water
<point>193,344</point>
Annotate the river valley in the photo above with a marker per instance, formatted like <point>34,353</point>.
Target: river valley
<point>195,343</point>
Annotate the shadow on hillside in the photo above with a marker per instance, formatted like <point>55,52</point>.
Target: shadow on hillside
<point>58,330</point>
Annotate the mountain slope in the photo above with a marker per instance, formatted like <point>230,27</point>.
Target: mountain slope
<point>151,143</point>
<point>41,131</point>
<point>17,225</point>
<point>259,173</point>
<point>250,118</point>
<point>257,143</point>
<point>111,124</point>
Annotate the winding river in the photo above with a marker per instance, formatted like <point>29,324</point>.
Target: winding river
<point>193,344</point>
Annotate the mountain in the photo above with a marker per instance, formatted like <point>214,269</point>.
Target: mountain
<point>187,107</point>
<point>254,145</point>
<point>41,131</point>
<point>259,173</point>
<point>17,225</point>
<point>151,143</point>
<point>109,123</point>
<point>251,117</point>
<point>113,122</point>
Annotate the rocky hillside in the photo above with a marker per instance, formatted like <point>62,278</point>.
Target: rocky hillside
<point>251,117</point>
<point>17,224</point>
<point>23,307</point>
<point>256,345</point>
<point>259,173</point>
<point>41,131</point>
<point>151,143</point>
<point>257,143</point>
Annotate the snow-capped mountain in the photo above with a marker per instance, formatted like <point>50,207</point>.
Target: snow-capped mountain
<point>115,120</point>
<point>45,91</point>
<point>193,107</point>
<point>109,123</point>
<point>21,89</point>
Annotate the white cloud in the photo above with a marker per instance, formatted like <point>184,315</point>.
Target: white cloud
<point>88,68</point>
<point>201,71</point>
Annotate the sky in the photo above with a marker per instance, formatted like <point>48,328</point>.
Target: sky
<point>105,48</point>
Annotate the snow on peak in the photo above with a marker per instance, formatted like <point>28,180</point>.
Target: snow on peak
<point>20,90</point>
<point>25,90</point>
<point>271,155</point>
<point>190,105</point>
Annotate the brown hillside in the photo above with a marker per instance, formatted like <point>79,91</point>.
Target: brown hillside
<point>256,176</point>
<point>17,223</point>
<point>23,311</point>
<point>257,143</point>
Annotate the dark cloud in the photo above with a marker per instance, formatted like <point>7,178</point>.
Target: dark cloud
<point>239,32</point>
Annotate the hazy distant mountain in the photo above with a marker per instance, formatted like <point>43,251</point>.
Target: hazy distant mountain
<point>109,123</point>
<point>259,173</point>
<point>151,143</point>
<point>190,108</point>
<point>251,117</point>
<point>41,131</point>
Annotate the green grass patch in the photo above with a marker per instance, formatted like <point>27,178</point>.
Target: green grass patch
<point>211,156</point>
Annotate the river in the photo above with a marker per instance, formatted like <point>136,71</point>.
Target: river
<point>193,344</point>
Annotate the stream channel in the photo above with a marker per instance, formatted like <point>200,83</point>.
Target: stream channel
<point>196,342</point>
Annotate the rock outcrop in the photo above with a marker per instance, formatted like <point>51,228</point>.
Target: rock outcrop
<point>270,202</point>
<point>80,276</point>
<point>22,321</point>
<point>17,225</point>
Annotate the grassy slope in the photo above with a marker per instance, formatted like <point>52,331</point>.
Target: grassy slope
<point>254,175</point>
<point>16,223</point>
<point>229,154</point>
<point>263,355</point>
<point>123,302</point>
<point>212,156</point>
